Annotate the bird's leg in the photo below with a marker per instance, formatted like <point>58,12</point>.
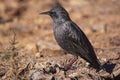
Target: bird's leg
<point>68,66</point>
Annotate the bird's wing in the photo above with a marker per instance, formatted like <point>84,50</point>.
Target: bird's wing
<point>81,43</point>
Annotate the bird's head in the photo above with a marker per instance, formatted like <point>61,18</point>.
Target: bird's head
<point>57,13</point>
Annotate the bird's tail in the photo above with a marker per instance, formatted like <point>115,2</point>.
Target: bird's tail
<point>97,65</point>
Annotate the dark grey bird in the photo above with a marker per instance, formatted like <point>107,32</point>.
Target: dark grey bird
<point>71,38</point>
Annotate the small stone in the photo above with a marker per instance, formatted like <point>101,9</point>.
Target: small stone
<point>100,28</point>
<point>35,75</point>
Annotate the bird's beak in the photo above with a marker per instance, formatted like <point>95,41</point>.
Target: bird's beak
<point>47,12</point>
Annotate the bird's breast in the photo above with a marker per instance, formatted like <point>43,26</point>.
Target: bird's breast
<point>61,36</point>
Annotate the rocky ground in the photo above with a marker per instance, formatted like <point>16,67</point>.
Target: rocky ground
<point>28,50</point>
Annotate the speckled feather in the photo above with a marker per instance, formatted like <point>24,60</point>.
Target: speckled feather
<point>70,37</point>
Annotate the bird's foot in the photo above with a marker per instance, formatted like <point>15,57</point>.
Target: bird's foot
<point>68,66</point>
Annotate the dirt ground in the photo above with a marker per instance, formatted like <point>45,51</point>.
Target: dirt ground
<point>28,50</point>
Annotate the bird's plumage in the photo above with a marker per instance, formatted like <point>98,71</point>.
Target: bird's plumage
<point>71,38</point>
<point>74,41</point>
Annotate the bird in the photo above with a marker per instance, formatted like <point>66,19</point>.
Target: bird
<point>71,38</point>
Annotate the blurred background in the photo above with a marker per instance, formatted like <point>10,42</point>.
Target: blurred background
<point>99,19</point>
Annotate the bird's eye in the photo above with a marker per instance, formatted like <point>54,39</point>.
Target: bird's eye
<point>54,14</point>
